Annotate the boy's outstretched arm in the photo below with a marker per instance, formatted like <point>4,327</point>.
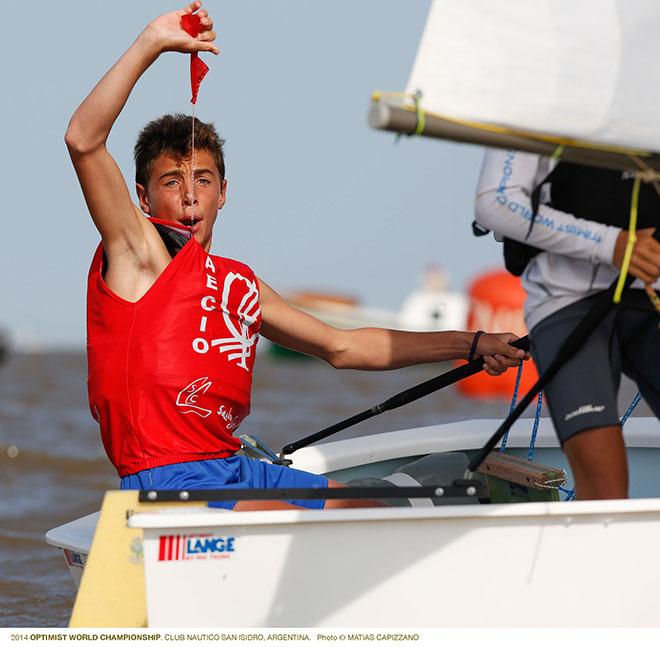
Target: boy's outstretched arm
<point>377,348</point>
<point>119,222</point>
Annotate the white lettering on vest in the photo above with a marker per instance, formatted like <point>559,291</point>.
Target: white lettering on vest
<point>228,416</point>
<point>238,321</point>
<point>200,345</point>
<point>205,301</point>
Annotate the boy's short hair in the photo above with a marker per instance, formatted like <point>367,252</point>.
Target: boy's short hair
<point>172,134</point>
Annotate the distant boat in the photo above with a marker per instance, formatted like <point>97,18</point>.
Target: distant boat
<point>430,307</point>
<point>4,346</point>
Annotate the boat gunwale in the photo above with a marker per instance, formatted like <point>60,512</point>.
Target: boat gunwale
<point>612,509</point>
<point>464,435</point>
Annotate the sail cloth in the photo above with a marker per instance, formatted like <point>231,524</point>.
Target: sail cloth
<point>535,74</point>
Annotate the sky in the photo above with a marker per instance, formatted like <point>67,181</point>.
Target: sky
<point>317,200</point>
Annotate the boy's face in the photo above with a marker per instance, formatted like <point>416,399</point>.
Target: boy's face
<point>169,194</point>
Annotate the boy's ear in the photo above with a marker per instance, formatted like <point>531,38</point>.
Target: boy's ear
<point>223,195</point>
<point>143,198</point>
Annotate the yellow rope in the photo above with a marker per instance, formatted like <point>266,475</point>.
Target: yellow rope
<point>649,175</point>
<point>653,297</point>
<point>421,117</point>
<point>632,238</point>
<point>558,152</point>
<point>421,122</point>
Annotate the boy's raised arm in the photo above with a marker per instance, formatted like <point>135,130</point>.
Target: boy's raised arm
<point>116,217</point>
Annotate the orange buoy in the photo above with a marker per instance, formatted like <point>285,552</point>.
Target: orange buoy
<point>496,305</point>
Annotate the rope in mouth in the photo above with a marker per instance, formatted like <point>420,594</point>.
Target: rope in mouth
<point>192,167</point>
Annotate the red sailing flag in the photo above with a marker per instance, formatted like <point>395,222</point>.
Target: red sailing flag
<point>192,24</point>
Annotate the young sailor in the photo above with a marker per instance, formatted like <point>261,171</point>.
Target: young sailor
<point>172,328</point>
<point>578,238</point>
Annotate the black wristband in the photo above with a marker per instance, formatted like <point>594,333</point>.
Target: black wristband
<point>473,348</point>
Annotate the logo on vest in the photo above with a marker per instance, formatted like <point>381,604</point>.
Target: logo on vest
<point>231,421</point>
<point>239,345</point>
<point>238,318</point>
<point>187,398</point>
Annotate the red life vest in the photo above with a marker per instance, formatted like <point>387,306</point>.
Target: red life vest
<point>170,375</point>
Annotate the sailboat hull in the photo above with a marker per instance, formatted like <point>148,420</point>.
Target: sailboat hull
<point>531,565</point>
<point>528,564</point>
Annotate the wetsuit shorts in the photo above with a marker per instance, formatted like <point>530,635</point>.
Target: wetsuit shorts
<point>232,472</point>
<point>583,394</point>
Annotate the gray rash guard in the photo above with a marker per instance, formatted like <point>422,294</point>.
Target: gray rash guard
<point>577,257</point>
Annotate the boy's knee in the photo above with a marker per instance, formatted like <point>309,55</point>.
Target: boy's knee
<point>598,461</point>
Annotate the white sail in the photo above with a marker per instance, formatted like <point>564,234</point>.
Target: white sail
<point>560,69</point>
<point>573,68</point>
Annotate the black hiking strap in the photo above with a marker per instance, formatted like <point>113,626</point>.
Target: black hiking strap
<point>457,488</point>
<point>398,400</point>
